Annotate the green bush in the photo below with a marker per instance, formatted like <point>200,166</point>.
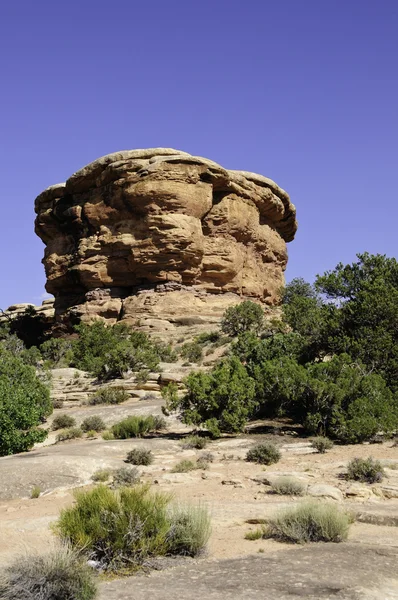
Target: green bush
<point>192,352</point>
<point>24,404</point>
<point>255,534</point>
<point>124,528</point>
<point>366,470</point>
<point>93,423</point>
<point>309,522</point>
<point>137,426</point>
<point>139,456</point>
<point>221,400</point>
<point>321,444</point>
<point>69,434</point>
<point>101,475</point>
<point>109,395</point>
<point>63,421</point>
<point>125,476</point>
<point>35,493</point>
<point>107,435</point>
<point>58,575</point>
<point>194,441</point>
<point>184,466</point>
<point>287,486</point>
<point>264,454</point>
<point>58,352</point>
<point>109,352</point>
<point>247,316</point>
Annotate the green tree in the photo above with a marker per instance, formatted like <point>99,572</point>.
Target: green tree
<point>247,316</point>
<point>221,400</point>
<point>24,404</point>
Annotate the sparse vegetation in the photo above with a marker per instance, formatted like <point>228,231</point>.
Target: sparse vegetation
<point>139,456</point>
<point>366,470</point>
<point>309,522</point>
<point>264,454</point>
<point>192,352</point>
<point>194,441</point>
<point>139,525</point>
<point>107,435</point>
<point>321,444</point>
<point>184,466</point>
<point>58,575</point>
<point>93,423</point>
<point>126,476</point>
<point>101,475</point>
<point>288,486</point>
<point>137,426</point>
<point>69,434</point>
<point>36,491</point>
<point>62,422</point>
<point>254,534</point>
<point>109,395</point>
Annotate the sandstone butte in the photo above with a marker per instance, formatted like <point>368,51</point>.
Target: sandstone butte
<point>159,238</point>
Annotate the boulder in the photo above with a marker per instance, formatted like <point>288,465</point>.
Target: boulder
<point>155,236</point>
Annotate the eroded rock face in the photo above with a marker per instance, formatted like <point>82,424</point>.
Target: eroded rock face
<point>160,227</point>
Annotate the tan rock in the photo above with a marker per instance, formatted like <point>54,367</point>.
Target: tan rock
<point>124,227</point>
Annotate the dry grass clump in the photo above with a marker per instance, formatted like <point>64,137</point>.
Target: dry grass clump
<point>125,476</point>
<point>264,454</point>
<point>139,456</point>
<point>287,486</point>
<point>310,522</point>
<point>101,475</point>
<point>69,434</point>
<point>123,528</point>
<point>321,444</point>
<point>109,395</point>
<point>58,575</point>
<point>194,441</point>
<point>63,422</point>
<point>138,426</point>
<point>186,465</point>
<point>93,423</point>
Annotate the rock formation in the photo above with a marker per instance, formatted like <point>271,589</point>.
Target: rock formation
<point>161,237</point>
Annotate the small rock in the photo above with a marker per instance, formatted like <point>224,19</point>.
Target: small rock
<point>236,482</point>
<point>321,490</point>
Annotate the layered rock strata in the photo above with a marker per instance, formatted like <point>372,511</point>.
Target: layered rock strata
<point>160,235</point>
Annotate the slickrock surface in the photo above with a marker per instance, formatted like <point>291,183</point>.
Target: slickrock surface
<point>159,235</point>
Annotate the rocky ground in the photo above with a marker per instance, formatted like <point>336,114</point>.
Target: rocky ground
<point>235,492</point>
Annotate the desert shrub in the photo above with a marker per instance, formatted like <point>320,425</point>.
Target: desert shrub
<point>247,316</point>
<point>192,352</point>
<point>207,457</point>
<point>107,435</point>
<point>264,454</point>
<point>310,522</point>
<point>321,444</point>
<point>125,476</point>
<point>287,486</point>
<point>58,403</point>
<point>91,433</point>
<point>69,434</point>
<point>93,423</point>
<point>202,463</point>
<point>101,475</point>
<point>221,400</point>
<point>58,352</point>
<point>184,466</point>
<point>139,456</point>
<point>137,426</point>
<point>254,534</point>
<point>58,575</point>
<point>189,530</point>
<point>24,404</point>
<point>63,421</point>
<point>194,441</point>
<point>108,352</point>
<point>35,492</point>
<point>109,395</point>
<point>366,470</point>
<point>210,337</point>
<point>123,528</point>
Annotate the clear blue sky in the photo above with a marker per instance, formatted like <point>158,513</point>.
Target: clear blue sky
<point>302,91</point>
